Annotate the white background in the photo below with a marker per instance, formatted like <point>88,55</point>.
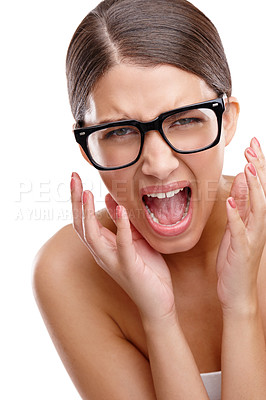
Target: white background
<point>38,154</point>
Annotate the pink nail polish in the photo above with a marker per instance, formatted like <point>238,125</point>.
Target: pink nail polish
<point>85,197</point>
<point>251,152</point>
<point>252,169</point>
<point>72,184</point>
<point>119,212</point>
<point>232,202</point>
<point>256,141</point>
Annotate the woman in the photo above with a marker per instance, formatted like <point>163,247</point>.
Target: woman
<point>164,289</point>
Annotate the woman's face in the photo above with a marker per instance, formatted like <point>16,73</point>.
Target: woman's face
<point>142,93</point>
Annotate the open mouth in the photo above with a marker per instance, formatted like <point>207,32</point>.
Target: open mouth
<point>169,208</point>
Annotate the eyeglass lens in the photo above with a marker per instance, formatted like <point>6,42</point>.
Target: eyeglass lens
<point>186,131</point>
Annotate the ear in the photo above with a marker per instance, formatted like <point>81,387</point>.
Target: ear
<point>230,118</point>
<point>84,154</point>
<point>81,149</point>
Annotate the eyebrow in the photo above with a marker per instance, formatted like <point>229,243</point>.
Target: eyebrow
<point>114,119</point>
<point>127,118</point>
<point>124,117</point>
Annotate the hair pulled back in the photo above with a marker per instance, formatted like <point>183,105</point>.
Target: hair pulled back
<point>145,33</point>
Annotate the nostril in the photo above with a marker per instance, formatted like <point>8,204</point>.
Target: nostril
<point>159,168</point>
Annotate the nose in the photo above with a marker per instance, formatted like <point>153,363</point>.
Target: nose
<point>158,159</point>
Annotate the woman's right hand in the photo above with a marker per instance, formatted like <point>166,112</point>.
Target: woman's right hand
<point>125,256</point>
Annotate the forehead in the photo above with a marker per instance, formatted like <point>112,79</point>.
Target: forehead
<point>133,92</point>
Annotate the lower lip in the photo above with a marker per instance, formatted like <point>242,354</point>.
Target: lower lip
<point>170,230</point>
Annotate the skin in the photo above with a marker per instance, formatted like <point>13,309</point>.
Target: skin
<point>111,101</point>
<point>194,286</point>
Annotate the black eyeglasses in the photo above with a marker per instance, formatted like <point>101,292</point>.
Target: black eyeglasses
<point>186,130</point>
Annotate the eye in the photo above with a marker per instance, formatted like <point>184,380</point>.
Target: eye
<point>120,132</point>
<point>185,121</point>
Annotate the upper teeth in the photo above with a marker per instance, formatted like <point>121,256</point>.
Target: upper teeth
<point>164,195</point>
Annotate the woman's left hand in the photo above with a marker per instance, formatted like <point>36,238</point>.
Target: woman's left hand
<point>242,246</point>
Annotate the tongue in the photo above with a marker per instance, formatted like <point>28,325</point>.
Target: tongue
<point>170,210</point>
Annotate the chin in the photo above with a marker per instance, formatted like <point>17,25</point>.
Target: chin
<point>173,245</point>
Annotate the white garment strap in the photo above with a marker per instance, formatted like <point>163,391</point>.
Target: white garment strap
<point>212,382</point>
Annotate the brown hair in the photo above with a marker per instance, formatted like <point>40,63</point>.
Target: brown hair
<point>146,33</point>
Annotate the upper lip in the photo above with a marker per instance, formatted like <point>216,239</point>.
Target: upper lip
<point>164,188</point>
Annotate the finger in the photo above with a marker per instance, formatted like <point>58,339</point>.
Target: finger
<point>92,234</point>
<point>256,194</point>
<point>240,193</point>
<point>99,239</point>
<point>124,239</point>
<point>76,200</point>
<point>254,155</point>
<point>235,226</point>
<point>90,224</point>
<point>111,205</point>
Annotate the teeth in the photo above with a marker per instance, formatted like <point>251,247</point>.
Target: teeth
<point>171,194</point>
<point>164,195</point>
<point>154,218</point>
<point>160,195</point>
<point>184,215</point>
<point>152,215</point>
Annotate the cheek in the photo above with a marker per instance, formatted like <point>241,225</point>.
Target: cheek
<point>119,184</point>
<point>207,170</point>
<point>208,164</point>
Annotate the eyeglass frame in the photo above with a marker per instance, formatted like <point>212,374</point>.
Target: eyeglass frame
<point>217,105</point>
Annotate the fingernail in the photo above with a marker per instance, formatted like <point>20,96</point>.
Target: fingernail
<point>251,152</point>
<point>252,169</point>
<point>232,202</point>
<point>85,197</point>
<point>255,140</point>
<point>118,212</point>
<point>72,183</point>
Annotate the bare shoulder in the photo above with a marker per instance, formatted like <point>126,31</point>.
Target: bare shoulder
<point>229,178</point>
<point>65,261</point>
<point>67,239</point>
<point>80,303</point>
